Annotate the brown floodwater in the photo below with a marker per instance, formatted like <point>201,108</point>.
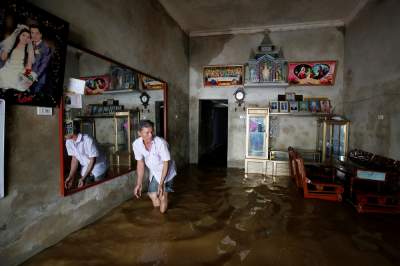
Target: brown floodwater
<point>217,217</point>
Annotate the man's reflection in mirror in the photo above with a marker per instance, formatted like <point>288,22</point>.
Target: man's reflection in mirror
<point>86,155</point>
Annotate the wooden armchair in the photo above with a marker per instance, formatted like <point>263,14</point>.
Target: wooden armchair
<point>293,155</point>
<point>318,186</point>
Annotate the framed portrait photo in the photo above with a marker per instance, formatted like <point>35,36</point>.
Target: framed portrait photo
<point>314,106</point>
<point>303,106</point>
<point>284,106</point>
<point>293,106</point>
<point>33,48</point>
<point>325,106</point>
<point>274,106</point>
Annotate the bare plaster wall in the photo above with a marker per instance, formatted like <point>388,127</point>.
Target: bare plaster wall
<point>372,78</point>
<point>33,215</point>
<point>316,44</point>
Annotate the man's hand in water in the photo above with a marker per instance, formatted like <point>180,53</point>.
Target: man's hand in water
<point>138,191</point>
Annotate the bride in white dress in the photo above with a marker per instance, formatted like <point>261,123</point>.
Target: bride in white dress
<point>17,53</point>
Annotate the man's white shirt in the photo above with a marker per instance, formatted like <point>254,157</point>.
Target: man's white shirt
<point>83,149</point>
<point>155,158</point>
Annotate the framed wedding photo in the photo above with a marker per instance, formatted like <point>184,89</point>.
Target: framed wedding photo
<point>32,54</point>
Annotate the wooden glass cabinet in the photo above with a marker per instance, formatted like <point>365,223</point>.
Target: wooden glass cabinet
<point>333,138</point>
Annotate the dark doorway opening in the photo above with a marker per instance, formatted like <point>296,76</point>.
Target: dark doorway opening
<point>160,118</point>
<point>213,133</point>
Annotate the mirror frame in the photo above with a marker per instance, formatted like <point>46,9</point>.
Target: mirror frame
<point>63,191</point>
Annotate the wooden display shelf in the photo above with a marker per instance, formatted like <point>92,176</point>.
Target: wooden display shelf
<point>267,84</point>
<point>300,114</point>
<point>120,91</point>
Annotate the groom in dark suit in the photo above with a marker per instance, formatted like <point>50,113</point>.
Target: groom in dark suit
<point>42,58</point>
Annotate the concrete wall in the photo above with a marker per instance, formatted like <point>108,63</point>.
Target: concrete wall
<point>372,78</point>
<point>316,44</point>
<point>33,215</point>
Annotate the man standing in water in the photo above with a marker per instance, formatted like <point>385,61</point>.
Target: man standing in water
<point>153,152</point>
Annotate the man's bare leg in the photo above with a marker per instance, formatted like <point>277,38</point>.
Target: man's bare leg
<point>154,198</point>
<point>163,202</point>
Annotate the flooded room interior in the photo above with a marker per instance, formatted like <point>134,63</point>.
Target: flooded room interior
<point>171,132</point>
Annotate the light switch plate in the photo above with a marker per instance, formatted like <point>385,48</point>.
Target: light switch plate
<point>44,111</point>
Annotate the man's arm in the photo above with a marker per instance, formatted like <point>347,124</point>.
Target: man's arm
<point>72,173</point>
<point>87,172</point>
<point>163,175</point>
<point>139,173</point>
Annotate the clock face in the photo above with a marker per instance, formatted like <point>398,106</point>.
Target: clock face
<point>144,98</point>
<point>239,95</point>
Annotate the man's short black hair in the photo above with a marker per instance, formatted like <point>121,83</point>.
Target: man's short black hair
<point>145,124</point>
<point>37,26</point>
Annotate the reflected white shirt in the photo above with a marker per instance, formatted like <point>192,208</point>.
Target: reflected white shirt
<point>83,149</point>
<point>155,158</point>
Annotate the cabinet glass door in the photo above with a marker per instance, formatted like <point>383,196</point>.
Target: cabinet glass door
<point>257,136</point>
<point>343,140</point>
<point>336,140</point>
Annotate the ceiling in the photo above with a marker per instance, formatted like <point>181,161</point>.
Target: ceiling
<point>211,17</point>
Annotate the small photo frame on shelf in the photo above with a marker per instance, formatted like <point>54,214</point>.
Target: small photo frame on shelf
<point>303,106</point>
<point>314,106</point>
<point>274,106</point>
<point>293,106</point>
<point>325,106</point>
<point>290,96</point>
<point>284,106</point>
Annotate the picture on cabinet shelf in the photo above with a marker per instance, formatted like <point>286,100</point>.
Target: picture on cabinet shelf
<point>312,73</point>
<point>274,106</point>
<point>314,106</point>
<point>293,106</point>
<point>303,106</point>
<point>284,106</point>
<point>96,84</point>
<point>32,54</point>
<point>325,106</point>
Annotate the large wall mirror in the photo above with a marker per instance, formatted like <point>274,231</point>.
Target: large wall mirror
<point>102,105</point>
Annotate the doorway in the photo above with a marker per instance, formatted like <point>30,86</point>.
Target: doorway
<point>160,118</point>
<point>213,133</point>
